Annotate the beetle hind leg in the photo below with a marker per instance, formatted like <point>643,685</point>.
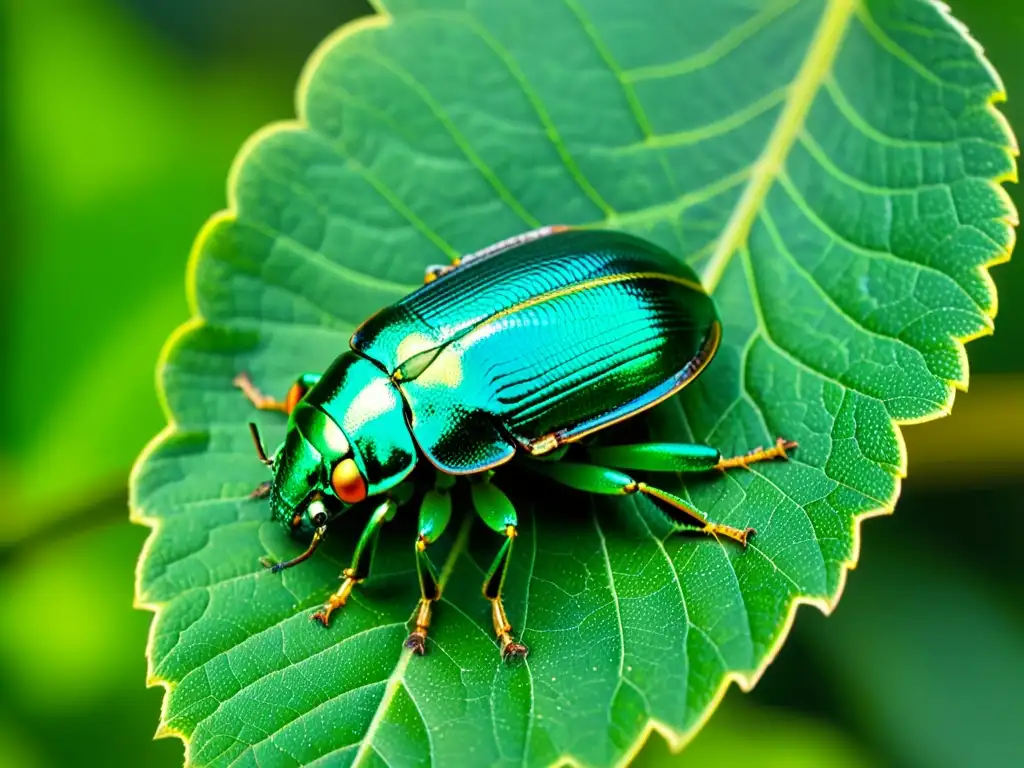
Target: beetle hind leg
<point>682,457</point>
<point>601,480</point>
<point>684,514</point>
<point>776,451</point>
<point>435,271</point>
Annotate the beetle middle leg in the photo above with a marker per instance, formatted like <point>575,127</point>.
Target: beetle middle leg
<point>362,559</point>
<point>435,513</point>
<point>497,512</point>
<point>264,402</point>
<point>594,479</point>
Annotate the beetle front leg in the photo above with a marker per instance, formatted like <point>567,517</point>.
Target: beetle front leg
<point>264,402</point>
<point>497,512</point>
<point>435,513</point>
<point>362,559</point>
<point>594,479</point>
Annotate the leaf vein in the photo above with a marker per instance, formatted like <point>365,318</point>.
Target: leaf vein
<point>816,219</point>
<point>820,55</point>
<point>716,51</point>
<point>489,175</point>
<point>550,130</point>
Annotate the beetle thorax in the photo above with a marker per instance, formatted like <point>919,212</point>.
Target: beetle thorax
<point>366,405</point>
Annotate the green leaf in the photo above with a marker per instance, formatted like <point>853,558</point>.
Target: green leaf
<point>830,169</point>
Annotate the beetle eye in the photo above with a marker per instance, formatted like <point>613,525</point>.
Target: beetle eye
<point>347,482</point>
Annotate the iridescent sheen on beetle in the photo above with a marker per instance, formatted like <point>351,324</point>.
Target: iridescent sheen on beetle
<point>519,350</point>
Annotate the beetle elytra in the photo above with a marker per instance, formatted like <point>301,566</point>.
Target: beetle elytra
<point>522,349</point>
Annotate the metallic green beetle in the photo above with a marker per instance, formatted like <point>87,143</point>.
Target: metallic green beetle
<point>524,347</point>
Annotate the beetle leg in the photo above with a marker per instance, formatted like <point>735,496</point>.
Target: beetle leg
<point>268,403</point>
<point>777,451</point>
<point>362,559</point>
<point>497,512</point>
<point>681,457</point>
<point>594,479</point>
<point>493,585</point>
<point>435,513</point>
<point>656,457</point>
<point>512,242</point>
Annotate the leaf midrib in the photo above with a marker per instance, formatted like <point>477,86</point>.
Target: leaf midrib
<point>816,66</point>
<point>821,53</point>
<point>397,677</point>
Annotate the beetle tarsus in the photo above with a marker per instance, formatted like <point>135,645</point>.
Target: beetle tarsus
<point>741,537</point>
<point>323,616</point>
<point>417,642</point>
<point>511,650</point>
<point>434,271</point>
<point>336,601</point>
<point>273,565</point>
<point>777,451</point>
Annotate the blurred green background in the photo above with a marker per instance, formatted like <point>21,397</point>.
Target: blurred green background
<point>119,122</point>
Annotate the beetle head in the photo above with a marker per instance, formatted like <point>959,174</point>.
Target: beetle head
<point>316,476</point>
<point>354,443</point>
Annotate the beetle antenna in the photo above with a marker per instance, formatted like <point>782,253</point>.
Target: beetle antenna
<point>259,445</point>
<point>317,538</point>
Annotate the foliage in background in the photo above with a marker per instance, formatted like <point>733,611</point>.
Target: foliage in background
<point>112,135</point>
<point>842,206</point>
<point>249,75</point>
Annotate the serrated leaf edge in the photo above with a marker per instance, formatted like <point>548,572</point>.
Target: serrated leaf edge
<point>136,514</point>
<point>746,681</point>
<point>830,31</point>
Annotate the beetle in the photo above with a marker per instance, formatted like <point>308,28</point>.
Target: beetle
<point>525,347</point>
